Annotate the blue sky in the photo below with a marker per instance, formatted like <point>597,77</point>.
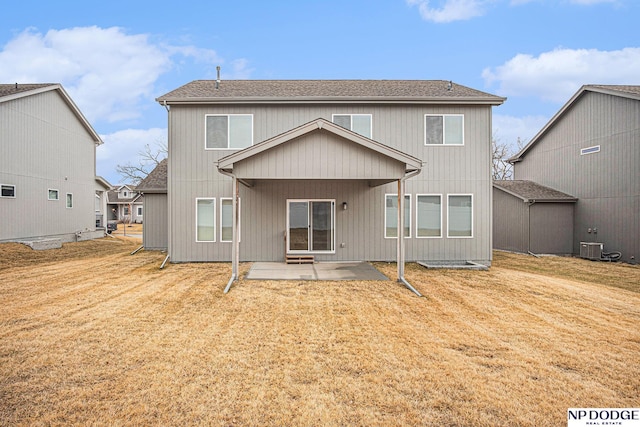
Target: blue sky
<point>114,58</point>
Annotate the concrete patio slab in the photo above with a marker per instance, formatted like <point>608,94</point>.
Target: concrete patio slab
<point>317,271</point>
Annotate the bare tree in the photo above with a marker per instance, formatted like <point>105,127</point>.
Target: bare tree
<point>500,153</point>
<point>148,159</point>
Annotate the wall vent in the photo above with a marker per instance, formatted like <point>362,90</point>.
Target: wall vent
<point>590,250</point>
<point>590,150</point>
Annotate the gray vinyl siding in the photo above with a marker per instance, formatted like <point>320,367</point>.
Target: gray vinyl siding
<point>448,170</point>
<point>44,146</point>
<point>510,222</point>
<point>607,183</point>
<point>156,222</point>
<point>551,228</point>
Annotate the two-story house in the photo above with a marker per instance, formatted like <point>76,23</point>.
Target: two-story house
<point>591,149</point>
<point>49,188</point>
<point>125,204</point>
<point>263,170</point>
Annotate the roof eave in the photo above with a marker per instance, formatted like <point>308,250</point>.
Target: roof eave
<point>494,101</point>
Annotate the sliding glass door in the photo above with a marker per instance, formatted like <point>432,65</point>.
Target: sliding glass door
<point>310,225</point>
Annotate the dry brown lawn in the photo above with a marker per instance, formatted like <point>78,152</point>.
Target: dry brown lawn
<point>90,335</point>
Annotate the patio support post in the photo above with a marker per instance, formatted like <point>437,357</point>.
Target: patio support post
<point>400,232</point>
<point>235,241</point>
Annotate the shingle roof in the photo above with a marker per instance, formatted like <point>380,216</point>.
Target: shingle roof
<point>327,90</point>
<point>621,89</point>
<point>12,89</point>
<point>530,191</point>
<point>156,181</point>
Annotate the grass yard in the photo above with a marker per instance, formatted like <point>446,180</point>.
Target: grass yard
<point>90,335</point>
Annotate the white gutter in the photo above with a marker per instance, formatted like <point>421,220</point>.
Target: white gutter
<point>401,187</point>
<point>235,254</point>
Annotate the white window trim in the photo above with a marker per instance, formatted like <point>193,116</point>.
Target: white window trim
<point>589,150</point>
<point>49,190</point>
<point>333,226</point>
<point>215,234</point>
<point>472,216</point>
<point>444,144</point>
<point>385,215</point>
<point>441,216</point>
<point>14,191</point>
<point>239,219</point>
<point>357,114</point>
<point>66,201</point>
<point>228,131</point>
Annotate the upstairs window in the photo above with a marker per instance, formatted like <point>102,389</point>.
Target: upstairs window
<point>229,131</point>
<point>8,190</point>
<point>53,194</point>
<point>444,129</point>
<point>358,123</point>
<point>69,200</point>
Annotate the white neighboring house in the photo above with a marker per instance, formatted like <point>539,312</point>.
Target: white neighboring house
<point>47,167</point>
<point>125,204</point>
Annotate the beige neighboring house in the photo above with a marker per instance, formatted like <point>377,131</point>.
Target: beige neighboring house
<point>49,188</point>
<point>125,204</point>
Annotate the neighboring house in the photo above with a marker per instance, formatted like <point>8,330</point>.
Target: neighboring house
<point>531,218</point>
<point>47,166</point>
<point>314,168</point>
<point>125,204</point>
<point>591,150</point>
<point>156,224</point>
<point>101,202</point>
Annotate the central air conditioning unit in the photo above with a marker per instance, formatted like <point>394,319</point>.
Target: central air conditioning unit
<point>591,250</point>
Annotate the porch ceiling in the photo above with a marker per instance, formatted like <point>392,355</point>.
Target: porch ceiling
<point>319,150</point>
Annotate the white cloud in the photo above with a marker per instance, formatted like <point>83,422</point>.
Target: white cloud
<point>105,71</point>
<point>122,147</point>
<point>557,75</point>
<point>449,10</point>
<point>508,129</point>
<point>108,73</point>
<point>445,11</point>
<point>590,2</point>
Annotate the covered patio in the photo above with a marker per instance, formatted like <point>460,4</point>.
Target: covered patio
<point>318,151</point>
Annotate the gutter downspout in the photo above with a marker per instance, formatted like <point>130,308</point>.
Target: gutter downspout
<point>168,185</point>
<point>235,254</point>
<point>401,190</point>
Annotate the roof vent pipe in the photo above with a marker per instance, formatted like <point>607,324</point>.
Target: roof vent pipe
<point>218,79</point>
